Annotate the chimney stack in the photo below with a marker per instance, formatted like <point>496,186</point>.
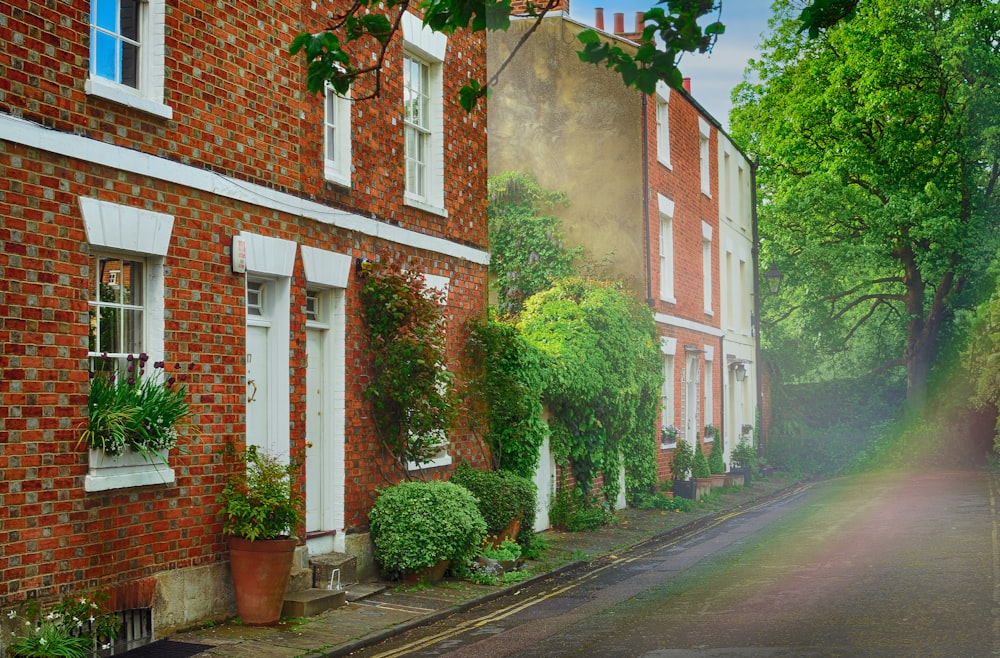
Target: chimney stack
<point>619,23</point>
<point>687,85</point>
<point>640,24</point>
<point>599,18</point>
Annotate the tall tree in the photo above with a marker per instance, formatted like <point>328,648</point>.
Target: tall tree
<point>879,147</point>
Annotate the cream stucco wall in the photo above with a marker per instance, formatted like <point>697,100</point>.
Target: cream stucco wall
<point>578,130</point>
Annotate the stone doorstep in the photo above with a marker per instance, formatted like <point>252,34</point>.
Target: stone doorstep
<point>311,602</point>
<point>299,580</point>
<point>361,591</point>
<point>324,568</point>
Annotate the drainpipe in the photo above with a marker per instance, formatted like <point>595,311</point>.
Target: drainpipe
<point>756,302</point>
<point>645,201</point>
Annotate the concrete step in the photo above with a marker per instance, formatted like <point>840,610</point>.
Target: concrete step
<point>360,591</point>
<point>311,602</point>
<point>299,580</point>
<point>325,566</point>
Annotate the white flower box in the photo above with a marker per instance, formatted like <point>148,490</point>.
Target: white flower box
<point>129,469</point>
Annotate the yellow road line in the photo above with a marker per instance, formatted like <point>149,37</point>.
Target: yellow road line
<point>513,609</point>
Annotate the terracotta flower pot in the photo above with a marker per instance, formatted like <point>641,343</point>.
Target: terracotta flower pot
<point>261,570</point>
<point>427,575</point>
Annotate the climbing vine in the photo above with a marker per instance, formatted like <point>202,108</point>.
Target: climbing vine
<point>508,376</point>
<point>409,389</point>
<point>526,245</point>
<point>603,383</point>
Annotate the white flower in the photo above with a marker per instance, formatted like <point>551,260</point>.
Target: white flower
<point>50,616</point>
<point>42,641</point>
<point>83,600</point>
<point>11,615</point>
<point>106,646</point>
<point>91,619</point>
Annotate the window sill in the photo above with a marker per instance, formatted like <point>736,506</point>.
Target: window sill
<point>668,446</point>
<point>423,205</point>
<point>123,95</point>
<point>443,459</point>
<point>666,164</point>
<point>123,471</point>
<point>337,177</point>
<point>669,300</point>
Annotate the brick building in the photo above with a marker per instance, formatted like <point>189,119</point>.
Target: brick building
<point>170,155</point>
<point>657,191</point>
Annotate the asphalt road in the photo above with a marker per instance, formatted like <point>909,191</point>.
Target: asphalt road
<point>889,565</point>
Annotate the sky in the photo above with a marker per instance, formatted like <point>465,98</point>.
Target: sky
<point>713,75</point>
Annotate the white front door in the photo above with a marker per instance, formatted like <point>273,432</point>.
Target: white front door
<point>316,444</point>
<point>545,482</point>
<point>691,400</point>
<point>258,416</point>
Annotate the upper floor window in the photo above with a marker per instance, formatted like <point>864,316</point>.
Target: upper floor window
<point>704,134</point>
<point>127,53</point>
<point>706,266</point>
<point>666,249</point>
<point>337,138</point>
<point>416,102</point>
<point>423,106</point>
<point>663,124</point>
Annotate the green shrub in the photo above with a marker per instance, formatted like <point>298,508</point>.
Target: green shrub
<point>502,497</point>
<point>574,511</point>
<point>715,463</point>
<point>682,461</point>
<point>508,551</point>
<point>744,455</point>
<point>415,525</point>
<point>699,467</point>
<point>666,503</point>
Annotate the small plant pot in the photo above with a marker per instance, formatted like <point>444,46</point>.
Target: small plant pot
<point>427,575</point>
<point>685,489</point>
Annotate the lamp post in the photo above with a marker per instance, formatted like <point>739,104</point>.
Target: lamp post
<point>773,277</point>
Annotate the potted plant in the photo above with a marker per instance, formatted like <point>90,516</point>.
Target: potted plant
<point>668,434</point>
<point>262,510</point>
<point>744,459</point>
<point>701,472</point>
<point>680,469</point>
<point>420,527</point>
<point>506,500</point>
<point>135,415</point>
<point>716,465</point>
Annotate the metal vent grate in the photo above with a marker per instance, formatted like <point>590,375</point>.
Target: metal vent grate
<point>136,631</point>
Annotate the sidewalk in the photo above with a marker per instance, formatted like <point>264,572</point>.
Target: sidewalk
<point>377,611</point>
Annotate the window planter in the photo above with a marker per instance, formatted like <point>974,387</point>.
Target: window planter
<point>129,469</point>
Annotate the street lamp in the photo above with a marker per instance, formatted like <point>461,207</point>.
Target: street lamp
<point>773,278</point>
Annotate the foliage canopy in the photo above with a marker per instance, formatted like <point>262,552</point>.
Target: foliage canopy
<point>604,380</point>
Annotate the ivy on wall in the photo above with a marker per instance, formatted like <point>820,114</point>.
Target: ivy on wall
<point>603,383</point>
<point>409,389</point>
<point>507,374</point>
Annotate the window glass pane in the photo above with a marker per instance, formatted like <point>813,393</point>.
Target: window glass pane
<point>105,55</point>
<point>105,14</point>
<point>132,331</point>
<point>312,305</point>
<point>130,65</point>
<point>130,19</point>
<point>108,337</point>
<point>131,282</point>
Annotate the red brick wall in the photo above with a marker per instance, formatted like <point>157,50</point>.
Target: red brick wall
<point>682,185</point>
<point>239,109</point>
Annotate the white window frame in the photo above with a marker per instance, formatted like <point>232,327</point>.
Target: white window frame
<point>148,94</point>
<point>708,383</point>
<point>668,348</point>
<point>704,135</point>
<point>663,124</point>
<point>337,137</point>
<point>666,207</point>
<point>136,234</point>
<point>442,457</point>
<point>421,44</point>
<point>706,259</point>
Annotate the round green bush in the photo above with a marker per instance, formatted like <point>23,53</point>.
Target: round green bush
<point>417,524</point>
<point>503,496</point>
